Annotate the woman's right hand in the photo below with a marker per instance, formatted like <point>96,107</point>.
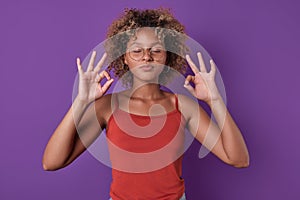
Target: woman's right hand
<point>90,88</point>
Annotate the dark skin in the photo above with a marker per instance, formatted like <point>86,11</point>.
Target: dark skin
<point>224,139</point>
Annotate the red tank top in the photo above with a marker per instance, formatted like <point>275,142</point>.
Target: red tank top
<point>146,155</point>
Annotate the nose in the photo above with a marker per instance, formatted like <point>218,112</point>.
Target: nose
<point>147,55</point>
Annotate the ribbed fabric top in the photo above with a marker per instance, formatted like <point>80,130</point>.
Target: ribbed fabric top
<point>146,155</point>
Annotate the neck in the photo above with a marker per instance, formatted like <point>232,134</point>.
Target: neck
<point>146,90</point>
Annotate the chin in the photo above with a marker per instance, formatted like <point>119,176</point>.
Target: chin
<point>147,76</point>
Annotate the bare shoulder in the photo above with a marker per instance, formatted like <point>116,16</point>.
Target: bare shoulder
<point>187,106</point>
<point>103,108</point>
<point>103,101</point>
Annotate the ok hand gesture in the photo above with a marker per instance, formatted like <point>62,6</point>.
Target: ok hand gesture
<point>205,87</point>
<point>90,88</point>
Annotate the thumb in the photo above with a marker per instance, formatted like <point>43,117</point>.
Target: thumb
<point>189,88</point>
<point>107,85</point>
<point>187,84</point>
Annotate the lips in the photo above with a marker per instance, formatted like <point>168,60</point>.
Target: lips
<point>146,67</point>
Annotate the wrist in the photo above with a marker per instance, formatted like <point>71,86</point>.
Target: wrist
<point>78,102</point>
<point>217,99</point>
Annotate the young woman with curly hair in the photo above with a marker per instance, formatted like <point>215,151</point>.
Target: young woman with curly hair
<point>146,158</point>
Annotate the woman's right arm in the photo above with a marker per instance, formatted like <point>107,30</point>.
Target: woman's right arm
<point>64,139</point>
<point>65,144</point>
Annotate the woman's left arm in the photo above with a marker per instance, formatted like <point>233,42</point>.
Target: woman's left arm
<point>225,140</point>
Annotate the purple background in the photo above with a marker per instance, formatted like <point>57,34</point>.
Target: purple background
<point>254,43</point>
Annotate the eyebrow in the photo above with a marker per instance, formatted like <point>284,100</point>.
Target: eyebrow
<point>152,44</point>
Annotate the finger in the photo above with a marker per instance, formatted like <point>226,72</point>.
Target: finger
<point>107,85</point>
<point>213,67</point>
<point>98,78</point>
<point>80,70</point>
<point>192,64</point>
<point>190,89</point>
<point>201,62</point>
<point>100,63</point>
<point>91,63</point>
<point>188,79</point>
<point>106,74</point>
<point>101,76</point>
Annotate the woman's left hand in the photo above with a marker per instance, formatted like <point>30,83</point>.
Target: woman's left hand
<point>205,87</point>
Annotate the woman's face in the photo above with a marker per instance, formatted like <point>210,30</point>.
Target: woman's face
<point>145,55</point>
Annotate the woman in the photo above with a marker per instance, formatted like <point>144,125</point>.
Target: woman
<point>145,64</point>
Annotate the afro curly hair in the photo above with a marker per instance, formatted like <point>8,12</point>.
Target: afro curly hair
<point>168,29</point>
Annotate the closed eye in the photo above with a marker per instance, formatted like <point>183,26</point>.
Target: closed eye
<point>157,50</point>
<point>136,50</point>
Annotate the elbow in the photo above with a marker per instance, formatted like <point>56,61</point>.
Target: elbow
<point>51,163</point>
<point>240,163</point>
<point>48,166</point>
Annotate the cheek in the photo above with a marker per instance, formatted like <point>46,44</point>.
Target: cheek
<point>164,59</point>
<point>125,59</point>
<point>131,63</point>
<point>167,58</point>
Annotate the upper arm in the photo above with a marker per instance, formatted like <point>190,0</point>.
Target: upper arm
<point>203,128</point>
<point>91,125</point>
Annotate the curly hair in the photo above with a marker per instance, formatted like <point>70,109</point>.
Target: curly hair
<point>168,29</point>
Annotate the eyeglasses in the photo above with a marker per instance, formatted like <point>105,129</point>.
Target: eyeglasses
<point>138,53</point>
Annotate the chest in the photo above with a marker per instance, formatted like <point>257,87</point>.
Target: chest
<point>142,134</point>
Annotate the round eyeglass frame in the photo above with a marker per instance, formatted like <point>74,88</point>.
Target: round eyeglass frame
<point>143,53</point>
